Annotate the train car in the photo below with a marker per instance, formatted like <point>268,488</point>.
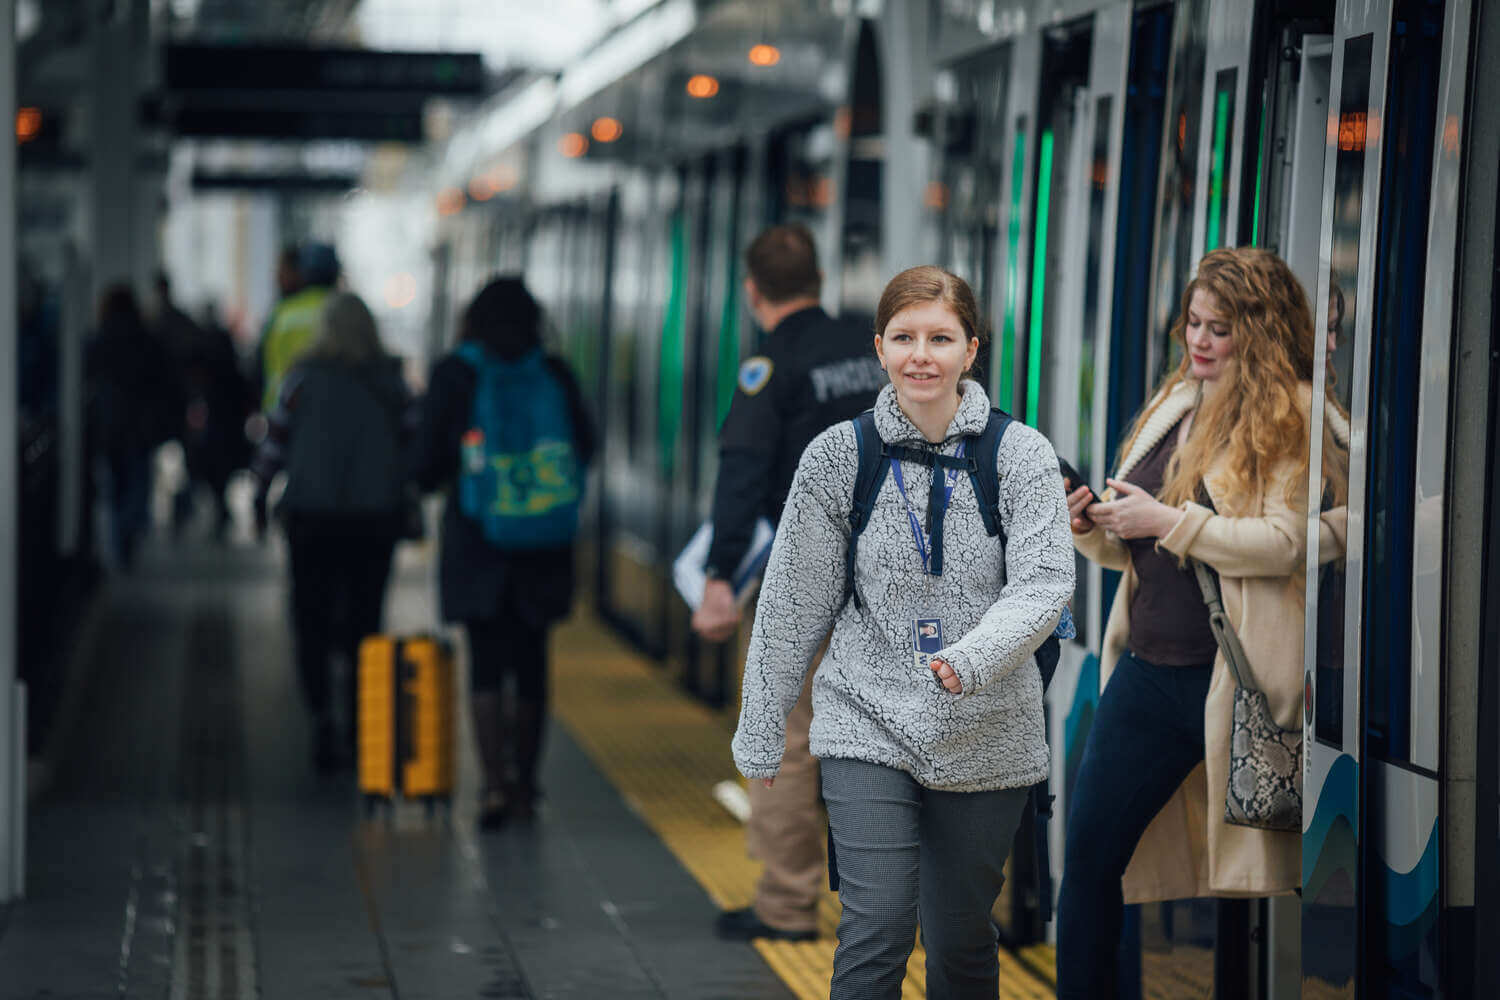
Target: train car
<point>1073,159</point>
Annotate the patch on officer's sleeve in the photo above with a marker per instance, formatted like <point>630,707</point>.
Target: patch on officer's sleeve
<point>754,374</point>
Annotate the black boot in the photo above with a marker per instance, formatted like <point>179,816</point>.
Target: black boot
<point>526,736</point>
<point>488,724</point>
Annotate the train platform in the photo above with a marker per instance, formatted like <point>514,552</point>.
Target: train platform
<point>181,846</point>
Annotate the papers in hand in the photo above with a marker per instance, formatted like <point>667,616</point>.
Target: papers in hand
<point>688,574</point>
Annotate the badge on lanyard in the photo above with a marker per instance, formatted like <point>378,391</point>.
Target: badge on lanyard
<point>926,639</point>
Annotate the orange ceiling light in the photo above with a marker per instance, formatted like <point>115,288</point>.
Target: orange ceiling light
<point>504,177</point>
<point>400,290</point>
<point>450,201</point>
<point>1353,128</point>
<point>483,188</point>
<point>28,124</point>
<point>764,55</point>
<point>573,145</point>
<point>606,129</point>
<point>702,86</point>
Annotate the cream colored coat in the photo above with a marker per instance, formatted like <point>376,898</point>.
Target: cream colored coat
<point>1260,553</point>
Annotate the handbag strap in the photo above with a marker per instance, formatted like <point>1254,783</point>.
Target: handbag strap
<point>1218,620</point>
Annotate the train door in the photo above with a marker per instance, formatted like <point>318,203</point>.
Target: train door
<point>646,400</point>
<point>622,435</point>
<point>707,179</point>
<point>719,354</point>
<point>1474,611</point>
<point>1279,192</point>
<point>1061,118</point>
<point>1375,764</point>
<point>676,360</point>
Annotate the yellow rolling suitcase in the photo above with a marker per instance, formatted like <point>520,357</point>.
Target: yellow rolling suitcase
<point>406,719</point>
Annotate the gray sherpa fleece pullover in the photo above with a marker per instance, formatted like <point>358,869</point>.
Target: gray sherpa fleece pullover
<point>871,701</point>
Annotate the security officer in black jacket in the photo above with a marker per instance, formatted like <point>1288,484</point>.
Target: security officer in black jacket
<point>815,372</point>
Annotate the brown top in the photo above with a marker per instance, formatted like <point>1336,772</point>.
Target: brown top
<point>1168,619</point>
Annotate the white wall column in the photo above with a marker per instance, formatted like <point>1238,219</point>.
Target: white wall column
<point>12,791</point>
<point>906,81</point>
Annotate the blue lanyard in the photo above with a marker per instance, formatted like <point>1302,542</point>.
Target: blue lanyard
<point>917,534</point>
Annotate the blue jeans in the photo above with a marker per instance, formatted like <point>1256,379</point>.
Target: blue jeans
<point>1146,738</point>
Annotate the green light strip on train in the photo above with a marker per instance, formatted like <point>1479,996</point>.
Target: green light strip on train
<point>1038,276</point>
<point>1216,172</point>
<point>1005,379</point>
<point>1260,176</point>
<point>669,372</point>
<point>729,341</point>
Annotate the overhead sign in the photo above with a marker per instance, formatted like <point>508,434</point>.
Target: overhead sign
<point>303,182</point>
<point>371,126</point>
<point>282,68</point>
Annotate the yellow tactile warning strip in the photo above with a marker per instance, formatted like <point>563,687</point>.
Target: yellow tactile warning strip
<point>664,752</point>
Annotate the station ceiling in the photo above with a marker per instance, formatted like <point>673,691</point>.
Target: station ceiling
<point>263,20</point>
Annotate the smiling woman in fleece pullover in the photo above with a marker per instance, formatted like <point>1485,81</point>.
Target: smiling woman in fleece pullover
<point>925,759</point>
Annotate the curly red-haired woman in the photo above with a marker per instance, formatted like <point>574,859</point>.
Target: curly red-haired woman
<point>1214,470</point>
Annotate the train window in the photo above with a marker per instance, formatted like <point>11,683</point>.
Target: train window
<point>799,171</point>
<point>1098,186</point>
<point>1064,153</point>
<point>863,183</point>
<point>1221,156</point>
<point>1003,379</point>
<point>1343,277</point>
<point>727,240</point>
<point>1142,162</point>
<point>673,333</point>
<point>1174,258</point>
<point>1260,173</point>
<point>963,201</point>
<point>1036,306</point>
<point>1395,383</point>
<point>1099,168</point>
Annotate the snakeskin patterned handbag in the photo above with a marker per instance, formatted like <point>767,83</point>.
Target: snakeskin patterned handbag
<point>1265,761</point>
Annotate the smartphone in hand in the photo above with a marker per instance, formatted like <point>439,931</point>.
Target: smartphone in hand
<point>1073,480</point>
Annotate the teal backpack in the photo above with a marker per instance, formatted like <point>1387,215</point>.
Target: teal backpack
<point>519,474</point>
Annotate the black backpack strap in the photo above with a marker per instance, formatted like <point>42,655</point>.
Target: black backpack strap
<point>985,472</point>
<point>867,482</point>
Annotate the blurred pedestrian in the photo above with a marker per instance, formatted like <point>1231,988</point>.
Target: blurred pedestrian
<point>337,430</point>
<point>173,327</point>
<point>504,426</point>
<point>294,320</point>
<point>815,371</point>
<point>134,404</point>
<point>214,393</point>
<point>927,705</point>
<point>1214,470</point>
<point>288,283</point>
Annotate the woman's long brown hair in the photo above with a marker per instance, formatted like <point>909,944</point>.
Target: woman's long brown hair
<point>1255,422</point>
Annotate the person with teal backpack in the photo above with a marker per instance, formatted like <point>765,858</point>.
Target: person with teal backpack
<point>504,428</point>
<point>520,476</point>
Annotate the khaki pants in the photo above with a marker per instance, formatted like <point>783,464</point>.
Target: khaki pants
<point>786,830</point>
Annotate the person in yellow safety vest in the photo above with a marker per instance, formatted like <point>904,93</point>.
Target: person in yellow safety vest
<point>294,322</point>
